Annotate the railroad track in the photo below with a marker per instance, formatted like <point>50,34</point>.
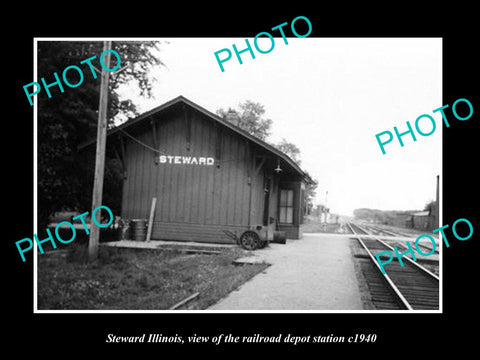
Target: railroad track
<point>379,231</point>
<point>408,287</point>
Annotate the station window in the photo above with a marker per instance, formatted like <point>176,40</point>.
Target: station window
<point>286,206</point>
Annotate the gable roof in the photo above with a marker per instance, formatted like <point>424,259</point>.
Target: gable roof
<point>182,99</point>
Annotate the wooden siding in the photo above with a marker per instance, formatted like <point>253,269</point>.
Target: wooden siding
<point>194,202</point>
<point>292,231</point>
<point>194,232</point>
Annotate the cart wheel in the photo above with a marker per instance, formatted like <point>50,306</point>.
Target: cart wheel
<point>250,240</point>
<point>262,244</point>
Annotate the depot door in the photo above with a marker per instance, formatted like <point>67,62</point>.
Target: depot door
<point>266,202</point>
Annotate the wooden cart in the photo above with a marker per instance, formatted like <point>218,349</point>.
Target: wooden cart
<point>257,237</point>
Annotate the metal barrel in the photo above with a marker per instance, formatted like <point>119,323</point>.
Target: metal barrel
<point>279,237</point>
<point>138,229</point>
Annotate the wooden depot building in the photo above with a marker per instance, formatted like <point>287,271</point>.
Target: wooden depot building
<point>209,177</point>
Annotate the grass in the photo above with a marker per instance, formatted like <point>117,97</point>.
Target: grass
<point>137,279</point>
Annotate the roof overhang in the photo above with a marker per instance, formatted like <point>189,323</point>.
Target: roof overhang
<point>182,100</point>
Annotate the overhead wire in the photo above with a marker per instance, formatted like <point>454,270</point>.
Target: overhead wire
<point>164,153</point>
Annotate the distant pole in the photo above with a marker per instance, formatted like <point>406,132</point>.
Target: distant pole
<point>325,212</point>
<point>100,153</point>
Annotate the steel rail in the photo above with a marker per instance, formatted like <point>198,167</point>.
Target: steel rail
<point>388,231</point>
<point>385,276</point>
<point>414,263</point>
<point>400,234</point>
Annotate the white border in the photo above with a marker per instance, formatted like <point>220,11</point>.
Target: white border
<point>35,177</point>
<point>35,223</point>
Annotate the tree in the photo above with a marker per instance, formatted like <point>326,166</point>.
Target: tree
<point>290,149</point>
<point>67,119</point>
<point>310,194</point>
<point>430,207</point>
<point>248,117</point>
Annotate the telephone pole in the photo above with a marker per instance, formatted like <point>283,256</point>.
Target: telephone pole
<point>100,153</point>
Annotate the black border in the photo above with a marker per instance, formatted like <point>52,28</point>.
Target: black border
<point>63,334</point>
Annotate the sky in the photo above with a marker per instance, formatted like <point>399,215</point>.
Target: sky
<point>330,97</point>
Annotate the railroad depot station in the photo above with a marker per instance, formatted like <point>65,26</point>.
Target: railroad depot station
<point>211,179</point>
<point>201,181</point>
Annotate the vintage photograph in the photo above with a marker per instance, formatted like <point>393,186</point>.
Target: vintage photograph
<point>270,174</point>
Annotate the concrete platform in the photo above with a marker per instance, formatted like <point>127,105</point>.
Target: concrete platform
<point>314,273</point>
